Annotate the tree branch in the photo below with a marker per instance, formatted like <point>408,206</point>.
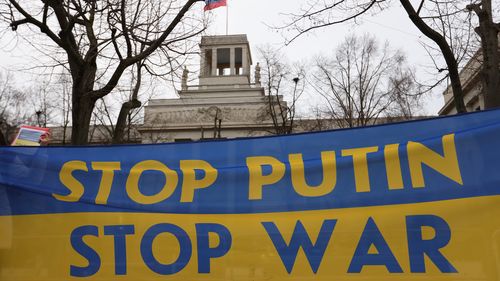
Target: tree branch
<point>113,81</point>
<point>445,49</point>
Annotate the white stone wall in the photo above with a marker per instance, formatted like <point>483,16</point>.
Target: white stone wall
<point>240,106</point>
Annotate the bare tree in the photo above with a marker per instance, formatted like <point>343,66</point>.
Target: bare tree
<point>405,93</point>
<point>284,84</point>
<point>128,116</point>
<point>124,117</point>
<point>364,82</point>
<point>41,100</point>
<point>445,22</point>
<point>63,84</point>
<point>14,109</point>
<point>99,40</point>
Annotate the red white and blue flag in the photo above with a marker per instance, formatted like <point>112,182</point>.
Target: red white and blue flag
<point>212,4</point>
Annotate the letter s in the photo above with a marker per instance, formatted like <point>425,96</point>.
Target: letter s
<point>85,250</point>
<point>67,179</point>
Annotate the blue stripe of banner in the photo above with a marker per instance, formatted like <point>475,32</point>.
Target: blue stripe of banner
<point>30,175</point>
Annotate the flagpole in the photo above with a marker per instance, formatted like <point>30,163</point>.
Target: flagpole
<point>227,18</point>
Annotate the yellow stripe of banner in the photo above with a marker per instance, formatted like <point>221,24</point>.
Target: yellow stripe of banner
<point>38,247</point>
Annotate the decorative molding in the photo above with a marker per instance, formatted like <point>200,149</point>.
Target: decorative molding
<point>207,115</point>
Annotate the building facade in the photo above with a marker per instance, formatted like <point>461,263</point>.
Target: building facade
<point>471,84</point>
<point>225,103</point>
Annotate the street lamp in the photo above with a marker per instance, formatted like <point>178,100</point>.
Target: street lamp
<point>291,111</point>
<point>38,115</point>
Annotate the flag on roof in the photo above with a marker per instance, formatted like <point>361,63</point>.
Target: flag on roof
<point>212,4</point>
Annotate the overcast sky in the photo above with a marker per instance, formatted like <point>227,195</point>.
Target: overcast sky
<point>252,17</point>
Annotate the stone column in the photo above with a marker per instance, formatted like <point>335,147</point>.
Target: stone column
<point>244,60</point>
<point>214,61</point>
<point>232,64</point>
<point>203,67</point>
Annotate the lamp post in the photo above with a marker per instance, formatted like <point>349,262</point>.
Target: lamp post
<point>38,115</point>
<point>294,99</point>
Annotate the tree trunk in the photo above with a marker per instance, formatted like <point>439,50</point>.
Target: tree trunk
<point>448,55</point>
<point>127,107</point>
<point>82,101</point>
<point>488,31</point>
<point>82,114</point>
<point>121,123</point>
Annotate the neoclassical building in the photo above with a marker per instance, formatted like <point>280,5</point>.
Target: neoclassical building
<point>228,101</point>
<point>471,83</point>
<point>225,104</point>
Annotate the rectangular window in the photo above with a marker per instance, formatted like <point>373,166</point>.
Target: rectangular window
<point>223,61</point>
<point>238,60</point>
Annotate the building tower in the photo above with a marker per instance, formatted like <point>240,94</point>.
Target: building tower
<point>225,60</point>
<point>224,104</point>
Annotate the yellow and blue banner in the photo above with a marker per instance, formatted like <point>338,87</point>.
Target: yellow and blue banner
<point>408,201</point>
